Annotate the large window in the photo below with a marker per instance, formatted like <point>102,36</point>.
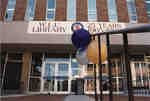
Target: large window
<point>50,70</point>
<point>10,10</point>
<point>50,13</point>
<point>35,72</point>
<point>92,10</point>
<point>148,8</point>
<point>132,11</point>
<point>63,69</point>
<point>71,10</point>
<point>30,10</point>
<point>112,11</point>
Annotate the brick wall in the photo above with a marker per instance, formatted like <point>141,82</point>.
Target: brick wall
<point>82,11</point>
<point>3,5</point>
<point>61,10</point>
<point>141,11</point>
<point>102,11</point>
<point>40,10</point>
<point>122,11</point>
<point>20,10</point>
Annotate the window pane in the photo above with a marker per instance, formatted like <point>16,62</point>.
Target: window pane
<point>50,70</point>
<point>49,85</point>
<point>11,4</point>
<point>34,84</point>
<point>71,10</point>
<point>91,4</point>
<point>50,14</point>
<point>131,11</point>
<point>10,10</point>
<point>112,11</point>
<point>63,69</point>
<point>62,85</point>
<point>51,4</point>
<point>50,9</point>
<point>148,8</point>
<point>92,10</point>
<point>74,66</point>
<point>30,10</point>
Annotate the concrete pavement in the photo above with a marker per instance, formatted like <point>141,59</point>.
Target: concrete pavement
<point>70,98</point>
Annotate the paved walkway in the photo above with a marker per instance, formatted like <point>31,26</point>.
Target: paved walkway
<point>78,98</point>
<point>70,98</point>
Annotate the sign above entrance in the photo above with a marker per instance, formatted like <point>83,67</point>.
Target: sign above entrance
<point>57,27</point>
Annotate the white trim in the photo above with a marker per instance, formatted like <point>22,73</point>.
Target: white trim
<point>56,74</point>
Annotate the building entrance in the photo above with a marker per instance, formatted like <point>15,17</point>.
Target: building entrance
<point>11,73</point>
<point>56,77</point>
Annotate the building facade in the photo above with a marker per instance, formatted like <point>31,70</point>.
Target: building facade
<point>39,60</point>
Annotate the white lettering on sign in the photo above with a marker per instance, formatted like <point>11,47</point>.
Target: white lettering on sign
<point>54,27</point>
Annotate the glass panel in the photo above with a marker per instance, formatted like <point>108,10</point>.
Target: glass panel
<point>90,70</point>
<point>35,84</point>
<point>112,11</point>
<point>36,64</point>
<point>50,14</point>
<point>49,70</point>
<point>49,85</point>
<point>51,9</point>
<point>62,85</point>
<point>132,11</point>
<point>90,85</point>
<point>92,15</point>
<point>71,10</point>
<point>148,7</point>
<point>10,10</point>
<point>74,66</point>
<point>63,69</point>
<point>51,4</point>
<point>30,10</point>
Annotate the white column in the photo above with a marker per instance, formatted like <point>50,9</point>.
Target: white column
<point>42,73</point>
<point>56,81</point>
<point>70,75</point>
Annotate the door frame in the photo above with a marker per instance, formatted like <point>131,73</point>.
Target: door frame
<point>56,74</point>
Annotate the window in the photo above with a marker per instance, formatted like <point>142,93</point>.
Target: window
<point>35,72</point>
<point>132,11</point>
<point>30,10</point>
<point>148,8</point>
<point>71,10</point>
<point>10,10</point>
<point>50,70</point>
<point>74,67</point>
<point>63,69</point>
<point>62,85</point>
<point>50,13</point>
<point>92,10</point>
<point>112,11</point>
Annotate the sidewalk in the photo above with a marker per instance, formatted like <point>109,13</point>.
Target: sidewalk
<point>35,98</point>
<point>70,98</point>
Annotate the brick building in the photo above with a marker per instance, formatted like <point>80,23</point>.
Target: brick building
<point>37,60</point>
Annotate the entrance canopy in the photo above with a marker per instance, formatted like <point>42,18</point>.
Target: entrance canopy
<point>56,36</point>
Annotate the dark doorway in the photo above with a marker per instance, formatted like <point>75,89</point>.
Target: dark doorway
<point>77,86</point>
<point>12,76</point>
<point>73,86</point>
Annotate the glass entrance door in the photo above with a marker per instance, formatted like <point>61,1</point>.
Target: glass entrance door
<point>56,78</point>
<point>49,71</point>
